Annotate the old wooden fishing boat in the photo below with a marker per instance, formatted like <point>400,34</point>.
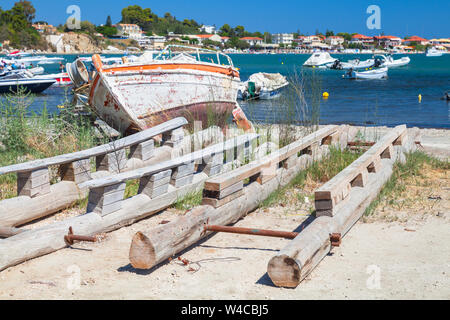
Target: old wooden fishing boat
<point>179,81</point>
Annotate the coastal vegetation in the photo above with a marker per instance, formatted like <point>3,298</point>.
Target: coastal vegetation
<point>26,135</point>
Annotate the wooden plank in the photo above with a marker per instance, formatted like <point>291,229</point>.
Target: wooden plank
<point>142,151</point>
<point>106,200</point>
<point>180,182</point>
<point>33,183</point>
<point>216,203</point>
<point>169,164</point>
<point>96,151</point>
<point>77,171</point>
<point>339,187</point>
<point>183,170</point>
<point>223,193</point>
<point>224,181</point>
<point>112,162</point>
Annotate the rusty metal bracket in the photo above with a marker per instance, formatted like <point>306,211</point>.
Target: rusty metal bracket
<point>336,239</point>
<point>70,237</point>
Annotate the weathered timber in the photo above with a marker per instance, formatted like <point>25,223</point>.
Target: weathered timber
<point>23,209</point>
<point>6,232</point>
<point>20,210</point>
<point>247,171</point>
<point>154,246</point>
<point>170,164</point>
<point>96,151</point>
<point>339,187</point>
<point>33,183</point>
<point>294,262</point>
<point>50,238</point>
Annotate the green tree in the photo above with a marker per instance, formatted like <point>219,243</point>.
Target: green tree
<point>108,22</point>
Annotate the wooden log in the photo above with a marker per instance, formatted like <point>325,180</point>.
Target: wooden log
<point>149,248</point>
<point>96,151</point>
<point>338,188</point>
<point>294,262</point>
<point>44,240</point>
<point>20,210</point>
<point>6,232</point>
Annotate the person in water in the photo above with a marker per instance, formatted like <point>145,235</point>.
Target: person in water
<point>61,67</point>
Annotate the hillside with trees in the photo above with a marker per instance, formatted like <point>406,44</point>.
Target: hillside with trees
<point>16,26</point>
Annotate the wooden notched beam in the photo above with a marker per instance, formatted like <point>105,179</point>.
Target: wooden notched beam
<point>295,261</point>
<point>151,247</point>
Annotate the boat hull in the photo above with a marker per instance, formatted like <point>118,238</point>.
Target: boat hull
<point>136,98</point>
<point>29,86</point>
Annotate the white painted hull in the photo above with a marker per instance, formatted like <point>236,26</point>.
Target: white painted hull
<point>138,99</point>
<point>375,74</point>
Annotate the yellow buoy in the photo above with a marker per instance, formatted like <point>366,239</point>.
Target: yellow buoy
<point>420,98</point>
<point>61,107</point>
<point>325,95</point>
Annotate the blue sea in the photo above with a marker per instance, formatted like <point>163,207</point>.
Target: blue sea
<point>388,102</point>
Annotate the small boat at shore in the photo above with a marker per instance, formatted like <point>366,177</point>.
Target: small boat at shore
<point>263,86</point>
<point>12,81</point>
<point>390,62</point>
<point>179,81</point>
<point>351,64</point>
<point>62,79</point>
<point>433,52</point>
<point>380,73</point>
<point>319,60</point>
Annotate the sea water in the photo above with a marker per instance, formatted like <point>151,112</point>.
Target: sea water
<point>388,102</point>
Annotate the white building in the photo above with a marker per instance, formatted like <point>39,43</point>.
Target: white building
<point>335,41</point>
<point>208,29</point>
<point>132,31</point>
<point>253,41</point>
<point>152,42</point>
<point>282,38</point>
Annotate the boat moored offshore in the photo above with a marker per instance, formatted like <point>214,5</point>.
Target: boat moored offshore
<point>319,60</point>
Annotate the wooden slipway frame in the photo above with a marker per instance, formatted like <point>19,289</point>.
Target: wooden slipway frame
<point>339,203</point>
<point>164,177</point>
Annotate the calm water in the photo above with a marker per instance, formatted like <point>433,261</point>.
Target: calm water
<point>382,102</point>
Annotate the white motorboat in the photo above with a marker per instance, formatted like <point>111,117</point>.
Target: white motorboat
<point>11,81</point>
<point>319,60</point>
<point>433,52</point>
<point>352,64</point>
<point>263,86</point>
<point>380,73</point>
<point>390,62</point>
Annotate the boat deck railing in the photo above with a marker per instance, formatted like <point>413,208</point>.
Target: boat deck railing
<point>168,53</point>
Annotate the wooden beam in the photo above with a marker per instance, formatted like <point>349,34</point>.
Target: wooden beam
<point>151,247</point>
<point>294,262</point>
<point>96,151</point>
<point>338,188</point>
<point>224,181</point>
<point>170,164</point>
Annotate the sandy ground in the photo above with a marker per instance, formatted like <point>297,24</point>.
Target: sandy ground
<point>402,252</point>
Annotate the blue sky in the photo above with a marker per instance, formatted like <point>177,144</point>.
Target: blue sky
<point>429,18</point>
